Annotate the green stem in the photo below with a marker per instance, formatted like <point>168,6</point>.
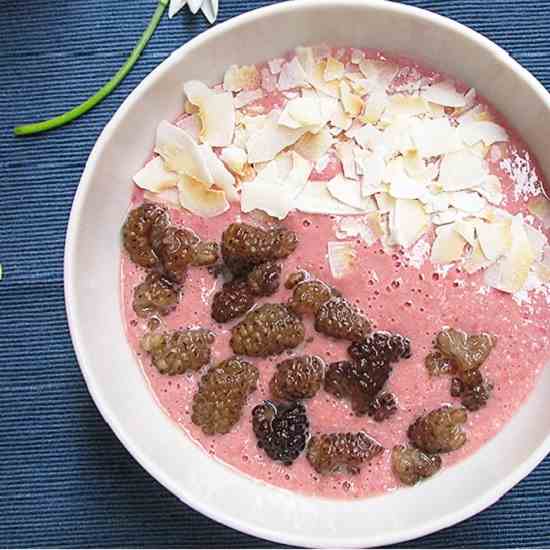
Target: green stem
<point>102,93</point>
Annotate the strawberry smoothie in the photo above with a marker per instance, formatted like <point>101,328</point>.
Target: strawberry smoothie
<point>399,290</point>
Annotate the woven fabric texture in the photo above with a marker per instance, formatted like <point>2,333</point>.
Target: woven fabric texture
<point>65,480</point>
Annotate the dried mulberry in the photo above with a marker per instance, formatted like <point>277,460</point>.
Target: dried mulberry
<point>308,297</point>
<point>437,364</point>
<point>138,231</point>
<point>439,431</point>
<point>382,407</point>
<point>155,296</point>
<point>295,278</point>
<point>339,319</point>
<point>264,279</point>
<point>179,351</point>
<point>381,346</point>
<point>466,351</point>
<point>232,301</point>
<point>297,378</point>
<point>281,430</point>
<point>411,465</point>
<point>222,393</point>
<point>267,330</point>
<point>329,453</point>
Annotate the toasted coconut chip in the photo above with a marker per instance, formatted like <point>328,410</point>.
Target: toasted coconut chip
<point>298,175</point>
<point>235,159</point>
<point>495,239</point>
<point>342,258</point>
<point>192,125</point>
<point>408,221</point>
<point>491,189</point>
<point>180,152</point>
<point>366,136</point>
<point>292,76</point>
<point>168,197</point>
<point>357,56</point>
<point>434,137</point>
<point>401,185</point>
<point>471,115</point>
<point>154,176</point>
<point>269,197</point>
<point>467,201</point>
<point>416,166</point>
<point>538,241</point>
<point>476,259</point>
<point>216,111</point>
<point>344,151</point>
<point>462,170</point>
<point>540,208</point>
<point>361,227</point>
<point>396,138</point>
<point>353,104</point>
<point>379,73</point>
<point>447,216</point>
<point>436,202</point>
<point>302,112</point>
<point>372,167</point>
<point>448,245</point>
<point>246,97</point>
<point>375,106</point>
<point>444,93</point>
<point>276,65</point>
<point>201,200</point>
<point>238,78</point>
<point>266,143</point>
<point>404,105</point>
<point>512,271</point>
<point>223,178</point>
<point>348,192</point>
<point>317,80</point>
<point>306,58</point>
<point>435,110</point>
<point>486,132</point>
<point>360,86</point>
<point>340,119</point>
<point>467,229</point>
<point>470,99</point>
<point>316,199</point>
<point>314,146</point>
<point>334,70</point>
<point>384,202</point>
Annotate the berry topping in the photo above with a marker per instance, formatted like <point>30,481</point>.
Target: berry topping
<point>411,465</point>
<point>309,296</point>
<point>281,430</point>
<point>439,431</point>
<point>245,246</point>
<point>138,230</point>
<point>232,301</point>
<point>179,351</point>
<point>155,296</point>
<point>222,393</point>
<point>264,279</point>
<point>329,453</point>
<point>437,364</point>
<point>297,378</point>
<point>295,278</point>
<point>381,346</point>
<point>339,319</point>
<point>466,351</point>
<point>384,406</point>
<point>268,330</point>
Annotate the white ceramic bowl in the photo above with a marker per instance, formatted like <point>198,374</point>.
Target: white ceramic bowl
<point>92,279</point>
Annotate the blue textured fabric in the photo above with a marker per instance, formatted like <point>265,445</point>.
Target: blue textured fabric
<point>65,480</point>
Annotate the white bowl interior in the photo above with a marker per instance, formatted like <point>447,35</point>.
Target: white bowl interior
<point>92,279</point>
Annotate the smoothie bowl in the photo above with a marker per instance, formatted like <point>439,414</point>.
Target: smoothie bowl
<point>317,291</point>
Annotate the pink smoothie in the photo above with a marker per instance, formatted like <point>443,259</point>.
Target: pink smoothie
<point>399,291</point>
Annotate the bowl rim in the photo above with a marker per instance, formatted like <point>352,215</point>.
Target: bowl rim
<point>227,518</point>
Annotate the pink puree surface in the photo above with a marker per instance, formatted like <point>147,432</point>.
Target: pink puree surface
<point>396,296</point>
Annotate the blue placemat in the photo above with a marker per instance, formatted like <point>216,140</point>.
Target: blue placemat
<point>65,480</point>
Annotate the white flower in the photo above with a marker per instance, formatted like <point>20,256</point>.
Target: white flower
<point>208,7</point>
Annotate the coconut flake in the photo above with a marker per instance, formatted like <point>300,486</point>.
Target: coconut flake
<point>154,177</point>
<point>292,76</point>
<point>486,132</point>
<point>372,167</point>
<point>462,170</point>
<point>537,240</point>
<point>353,104</point>
<point>266,143</point>
<point>447,216</point>
<point>448,245</point>
<point>495,239</point>
<point>316,77</point>
<point>238,78</point>
<point>469,202</point>
<point>491,189</point>
<point>404,105</point>
<point>467,229</point>
<point>180,152</point>
<point>401,185</point>
<point>223,179</point>
<point>316,199</point>
<point>358,227</point>
<point>235,159</point>
<point>314,146</point>
<point>302,112</point>
<point>334,70</point>
<point>342,257</point>
<point>366,136</point>
<point>244,98</point>
<point>379,73</point>
<point>340,119</point>
<point>276,65</point>
<point>375,106</point>
<point>408,221</point>
<point>540,208</point>
<point>268,196</point>
<point>167,197</point>
<point>434,137</point>
<point>192,125</point>
<point>201,200</point>
<point>344,152</point>
<point>348,192</point>
<point>216,111</point>
<point>444,93</point>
